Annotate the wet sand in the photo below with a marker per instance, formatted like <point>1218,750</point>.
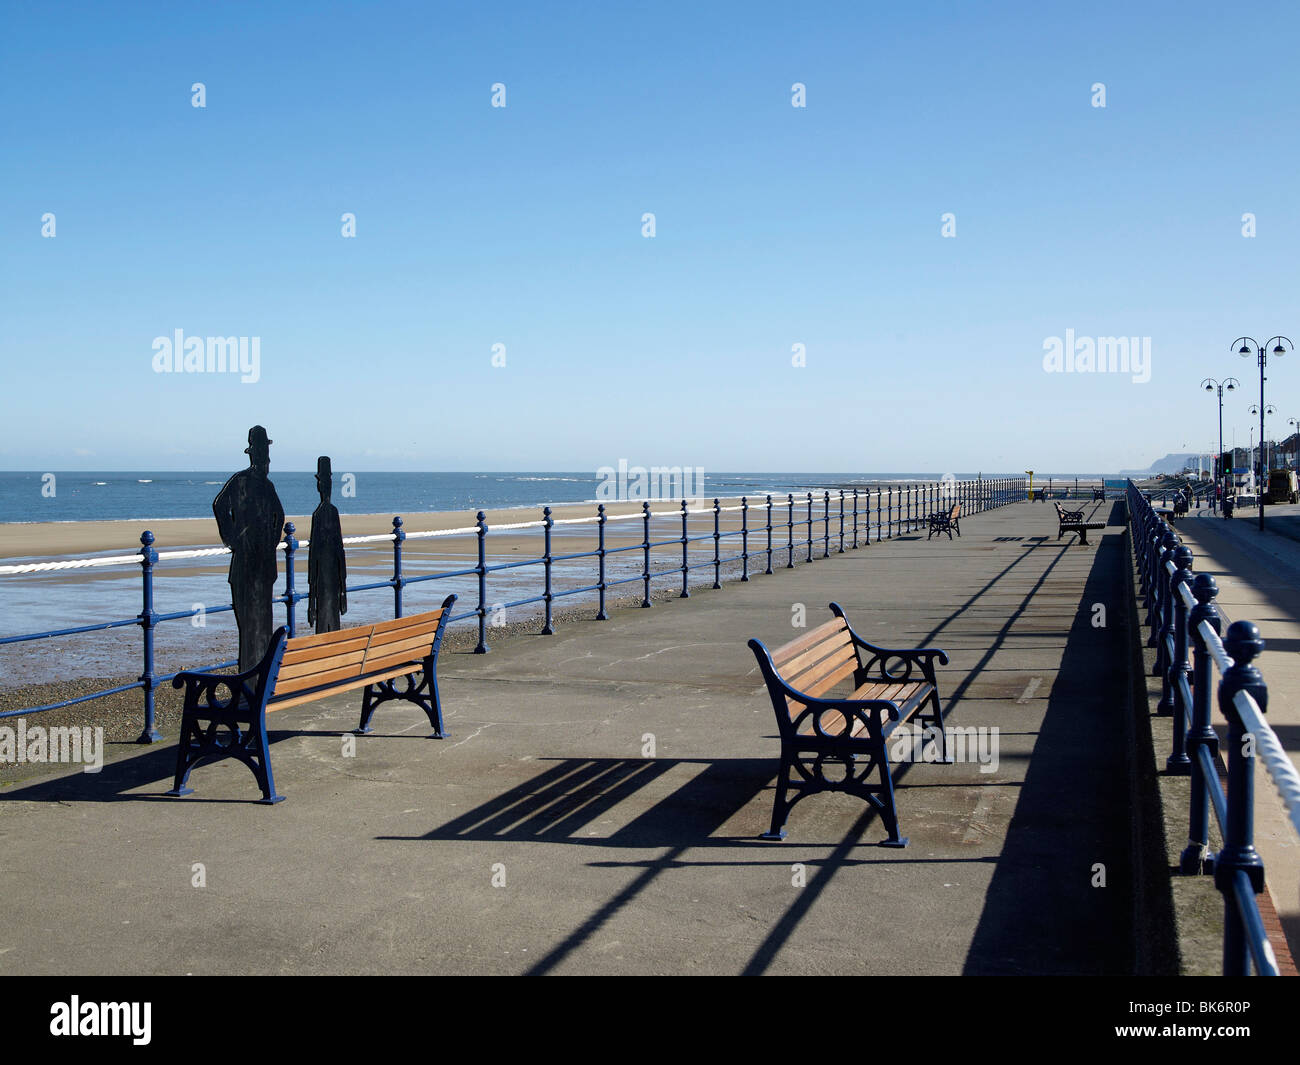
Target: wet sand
<point>49,540</point>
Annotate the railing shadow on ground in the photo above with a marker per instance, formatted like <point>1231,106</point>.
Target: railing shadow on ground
<point>1045,912</point>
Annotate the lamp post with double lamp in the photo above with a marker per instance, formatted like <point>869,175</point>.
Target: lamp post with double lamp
<point>1228,384</point>
<point>1250,346</point>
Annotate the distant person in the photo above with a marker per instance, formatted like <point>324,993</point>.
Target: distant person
<point>327,571</point>
<point>250,519</point>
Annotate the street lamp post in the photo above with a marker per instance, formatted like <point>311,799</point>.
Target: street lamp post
<point>1295,451</point>
<point>1250,346</point>
<point>1210,385</point>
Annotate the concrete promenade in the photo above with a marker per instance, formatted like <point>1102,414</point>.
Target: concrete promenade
<point>541,837</point>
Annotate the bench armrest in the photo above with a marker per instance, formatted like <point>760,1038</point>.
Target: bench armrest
<point>192,678</point>
<point>922,658</point>
<point>871,713</point>
<point>198,684</point>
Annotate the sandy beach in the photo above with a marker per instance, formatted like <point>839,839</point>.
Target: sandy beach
<point>49,540</point>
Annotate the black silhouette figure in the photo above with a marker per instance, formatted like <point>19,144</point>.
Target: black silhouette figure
<point>250,518</point>
<point>327,570</point>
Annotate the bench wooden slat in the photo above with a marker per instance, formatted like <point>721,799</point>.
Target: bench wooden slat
<point>414,663</point>
<point>782,655</point>
<point>820,689</point>
<point>299,643</point>
<point>359,682</point>
<point>802,663</point>
<point>407,644</point>
<point>805,680</point>
<point>426,622</point>
<point>892,690</point>
<point>321,666</point>
<point>358,640</point>
<point>316,680</point>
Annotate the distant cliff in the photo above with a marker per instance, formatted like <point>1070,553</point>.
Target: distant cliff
<point>1168,464</point>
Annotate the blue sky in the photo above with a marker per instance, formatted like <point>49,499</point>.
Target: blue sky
<point>522,225</point>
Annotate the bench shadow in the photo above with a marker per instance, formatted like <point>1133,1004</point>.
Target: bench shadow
<point>561,803</point>
<point>573,795</point>
<point>152,765</point>
<point>1042,913</point>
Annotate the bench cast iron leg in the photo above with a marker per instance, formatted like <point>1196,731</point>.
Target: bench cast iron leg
<point>781,809</point>
<point>888,811</point>
<point>423,693</point>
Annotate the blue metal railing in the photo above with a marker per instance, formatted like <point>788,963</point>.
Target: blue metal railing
<point>898,509</point>
<point>1181,614</point>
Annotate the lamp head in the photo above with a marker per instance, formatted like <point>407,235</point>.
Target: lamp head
<point>1278,349</point>
<point>1244,351</point>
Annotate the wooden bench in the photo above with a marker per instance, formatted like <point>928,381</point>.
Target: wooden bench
<point>945,522</point>
<point>225,714</point>
<point>1073,521</point>
<point>820,729</point>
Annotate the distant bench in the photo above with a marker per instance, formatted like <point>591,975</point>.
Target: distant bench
<point>945,522</point>
<point>1073,521</point>
<point>225,714</point>
<point>819,729</point>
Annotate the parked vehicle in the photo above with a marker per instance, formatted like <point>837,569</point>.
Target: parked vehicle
<point>1282,487</point>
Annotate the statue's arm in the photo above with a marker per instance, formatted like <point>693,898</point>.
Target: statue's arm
<point>221,510</point>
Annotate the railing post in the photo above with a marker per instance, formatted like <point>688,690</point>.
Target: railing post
<point>744,539</point>
<point>1165,638</point>
<point>790,530</point>
<point>1239,855</point>
<point>810,528</point>
<point>769,535</point>
<point>1178,762</point>
<point>148,557</point>
<point>290,546</point>
<point>600,556</point>
<point>1156,594</point>
<point>686,566</point>
<point>841,551</point>
<point>482,647</point>
<point>547,523</point>
<point>399,534</point>
<point>645,573</point>
<point>717,546</point>
<point>879,527</point>
<point>1195,856</point>
<point>826,523</point>
<point>855,521</point>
